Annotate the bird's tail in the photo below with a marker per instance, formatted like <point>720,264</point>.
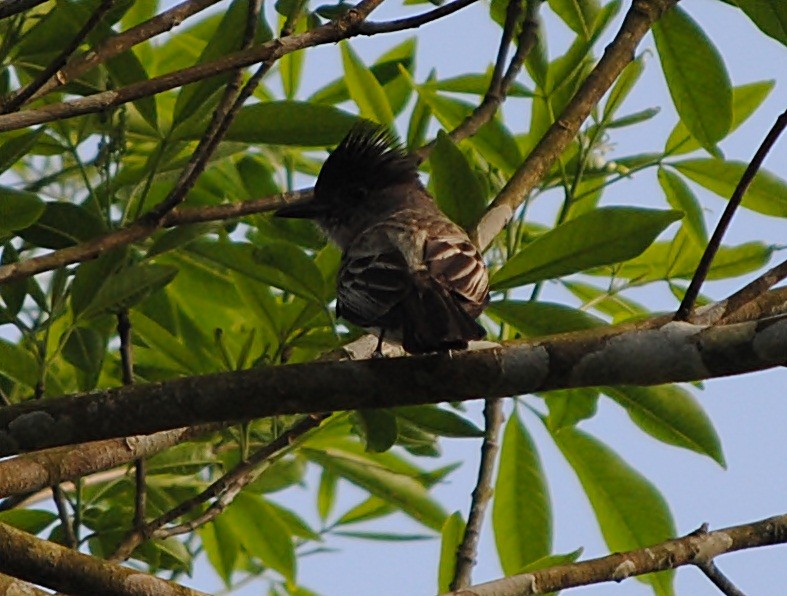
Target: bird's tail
<point>433,319</point>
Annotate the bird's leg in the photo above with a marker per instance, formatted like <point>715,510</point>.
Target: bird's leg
<point>378,351</point>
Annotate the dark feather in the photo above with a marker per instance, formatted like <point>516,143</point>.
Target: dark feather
<point>369,158</point>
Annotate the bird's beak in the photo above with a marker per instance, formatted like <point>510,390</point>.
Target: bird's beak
<point>302,210</point>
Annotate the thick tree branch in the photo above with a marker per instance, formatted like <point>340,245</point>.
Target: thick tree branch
<point>45,563</point>
<point>697,548</point>
<point>673,352</point>
<point>28,473</point>
<point>11,586</point>
<point>619,53</point>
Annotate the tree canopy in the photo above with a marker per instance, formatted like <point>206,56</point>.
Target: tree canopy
<point>171,366</point>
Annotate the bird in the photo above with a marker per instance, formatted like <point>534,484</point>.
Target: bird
<point>407,271</point>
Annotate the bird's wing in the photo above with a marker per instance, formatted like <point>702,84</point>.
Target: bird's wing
<point>374,278</point>
<point>454,262</point>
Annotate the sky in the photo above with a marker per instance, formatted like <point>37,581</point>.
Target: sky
<point>747,411</point>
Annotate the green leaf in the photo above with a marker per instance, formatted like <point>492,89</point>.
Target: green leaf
<point>385,70</point>
<point>377,428</point>
<point>767,193</point>
<point>579,15</point>
<point>226,39</point>
<point>475,84</point>
<point>521,510</point>
<point>450,538</point>
<point>769,15</point>
<point>402,491</point>
<point>436,420</point>
<point>29,520</point>
<point>15,146</point>
<point>383,536</point>
<point>92,275</point>
<point>222,547</point>
<point>493,140</point>
<point>661,261</point>
<point>458,190</point>
<point>19,209</point>
<point>622,87</point>
<point>262,533</point>
<point>745,100</point>
<point>601,237</point>
<point>128,286</point>
<point>567,407</point>
<point>85,349</point>
<point>364,88</point>
<point>125,69</point>
<point>15,292</point>
<point>18,364</point>
<point>62,225</point>
<point>631,512</point>
<point>419,121</point>
<point>278,264</point>
<point>696,76</point>
<point>552,561</point>
<point>326,494</point>
<point>535,319</point>
<point>611,304</point>
<point>672,415</point>
<point>285,123</point>
<point>680,197</point>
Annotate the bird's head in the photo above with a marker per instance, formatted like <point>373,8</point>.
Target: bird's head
<point>352,181</point>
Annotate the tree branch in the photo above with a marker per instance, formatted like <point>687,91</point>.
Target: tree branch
<point>12,7</point>
<point>45,563</point>
<point>687,304</point>
<point>224,490</point>
<point>696,548</point>
<point>618,54</point>
<point>28,473</point>
<point>117,44</point>
<point>673,352</point>
<point>372,28</point>
<point>335,31</point>
<point>27,92</point>
<point>482,494</point>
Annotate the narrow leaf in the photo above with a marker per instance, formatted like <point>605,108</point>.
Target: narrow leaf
<point>601,237</point>
<point>680,197</point>
<point>450,539</point>
<point>696,76</point>
<point>364,88</point>
<point>458,190</point>
<point>521,510</point>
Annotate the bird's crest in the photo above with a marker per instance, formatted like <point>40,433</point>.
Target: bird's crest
<point>369,156</point>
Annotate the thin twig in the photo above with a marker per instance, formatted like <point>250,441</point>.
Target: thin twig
<point>27,92</point>
<point>686,306</point>
<point>225,488</point>
<point>482,494</point>
<point>69,537</point>
<point>721,581</point>
<point>117,44</point>
<point>372,28</point>
<point>127,373</point>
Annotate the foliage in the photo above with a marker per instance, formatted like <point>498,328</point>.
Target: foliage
<point>257,291</point>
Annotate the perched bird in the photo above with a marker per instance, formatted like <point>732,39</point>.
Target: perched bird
<point>406,269</point>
